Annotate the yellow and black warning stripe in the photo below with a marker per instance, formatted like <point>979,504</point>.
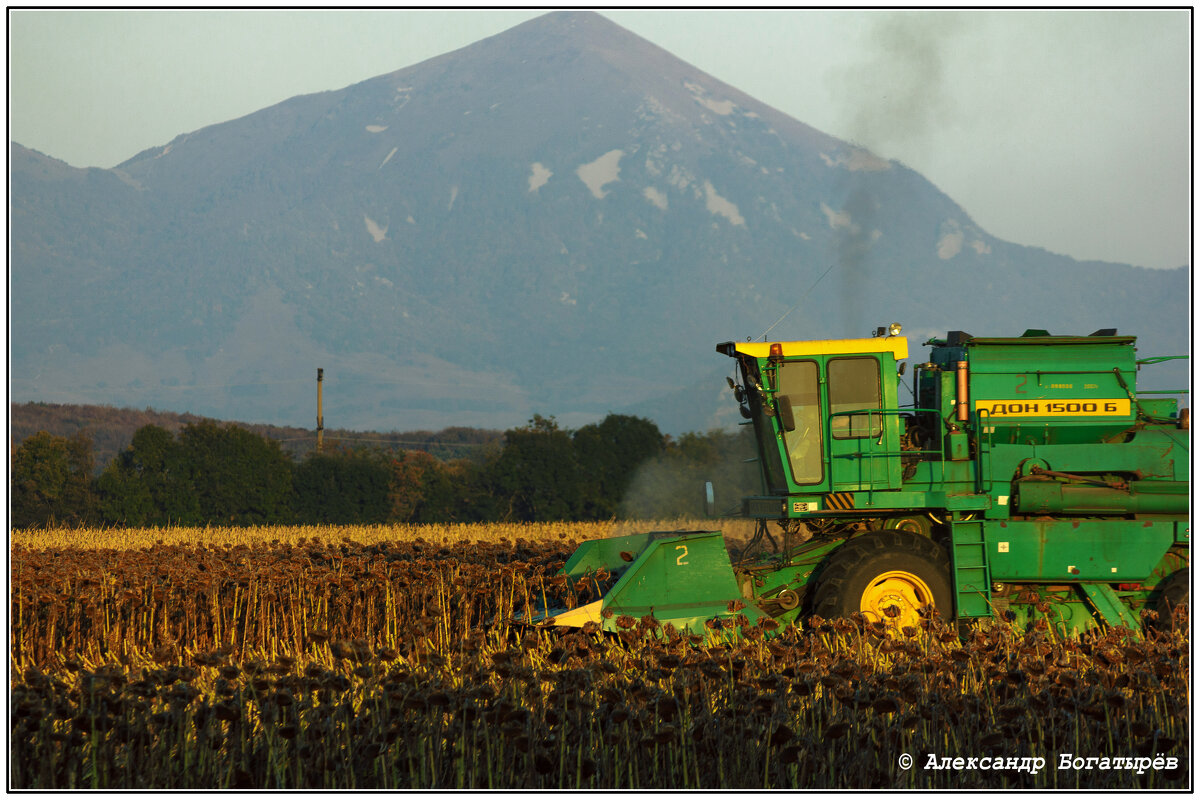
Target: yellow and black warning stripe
<point>842,501</point>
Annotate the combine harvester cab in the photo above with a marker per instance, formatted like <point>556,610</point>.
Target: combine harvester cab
<point>1029,482</point>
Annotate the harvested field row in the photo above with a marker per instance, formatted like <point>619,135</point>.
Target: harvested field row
<point>337,664</point>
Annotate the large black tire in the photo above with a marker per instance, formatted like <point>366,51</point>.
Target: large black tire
<point>881,571</point>
<point>1174,600</point>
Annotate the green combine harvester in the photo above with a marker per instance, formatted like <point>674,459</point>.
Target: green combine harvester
<point>1030,480</point>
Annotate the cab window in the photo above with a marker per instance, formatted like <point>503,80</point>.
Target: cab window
<point>797,380</point>
<point>764,431</point>
<point>854,386</point>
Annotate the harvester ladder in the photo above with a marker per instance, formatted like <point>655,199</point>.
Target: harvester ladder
<point>969,562</point>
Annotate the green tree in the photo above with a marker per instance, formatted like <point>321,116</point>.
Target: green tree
<point>342,487</point>
<point>536,477</point>
<point>149,483</point>
<point>608,454</point>
<point>453,493</point>
<point>52,481</point>
<point>424,489</point>
<point>240,477</point>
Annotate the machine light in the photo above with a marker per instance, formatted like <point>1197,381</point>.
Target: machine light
<point>894,329</point>
<point>776,349</point>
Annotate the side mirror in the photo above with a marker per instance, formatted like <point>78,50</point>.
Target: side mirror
<point>710,501</point>
<point>786,417</point>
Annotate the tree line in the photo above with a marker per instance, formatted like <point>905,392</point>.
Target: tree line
<point>209,473</point>
<point>110,430</point>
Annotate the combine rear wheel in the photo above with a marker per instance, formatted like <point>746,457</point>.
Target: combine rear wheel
<point>1173,600</point>
<point>888,576</point>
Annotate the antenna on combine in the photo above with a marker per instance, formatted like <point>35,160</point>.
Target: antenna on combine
<point>320,417</point>
<point>803,295</point>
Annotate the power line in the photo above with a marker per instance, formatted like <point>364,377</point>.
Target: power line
<point>803,297</point>
<point>216,385</point>
<point>336,438</point>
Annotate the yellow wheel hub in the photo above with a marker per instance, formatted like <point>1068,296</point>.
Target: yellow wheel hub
<point>894,597</point>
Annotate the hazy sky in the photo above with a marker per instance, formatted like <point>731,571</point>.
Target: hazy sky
<point>1068,130</point>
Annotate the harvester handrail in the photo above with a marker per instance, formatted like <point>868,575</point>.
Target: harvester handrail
<point>887,453</point>
<point>1159,359</point>
<point>982,429</point>
<point>877,410</point>
<point>893,453</point>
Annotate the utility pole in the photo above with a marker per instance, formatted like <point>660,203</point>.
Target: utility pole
<point>320,417</point>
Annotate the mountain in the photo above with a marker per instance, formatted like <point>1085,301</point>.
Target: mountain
<point>562,219</point>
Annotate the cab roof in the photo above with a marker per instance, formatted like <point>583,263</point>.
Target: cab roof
<point>896,345</point>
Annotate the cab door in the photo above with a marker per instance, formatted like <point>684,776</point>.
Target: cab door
<point>798,398</point>
<point>861,436</point>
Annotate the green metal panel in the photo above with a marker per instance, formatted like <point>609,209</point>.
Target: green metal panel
<point>683,579</point>
<point>1109,606</point>
<point>596,553</point>
<point>1076,550</point>
<point>957,446</point>
<point>1159,408</point>
<point>1053,389</point>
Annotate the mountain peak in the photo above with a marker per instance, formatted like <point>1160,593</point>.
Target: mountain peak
<point>562,219</point>
<point>571,21</point>
<point>574,26</point>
